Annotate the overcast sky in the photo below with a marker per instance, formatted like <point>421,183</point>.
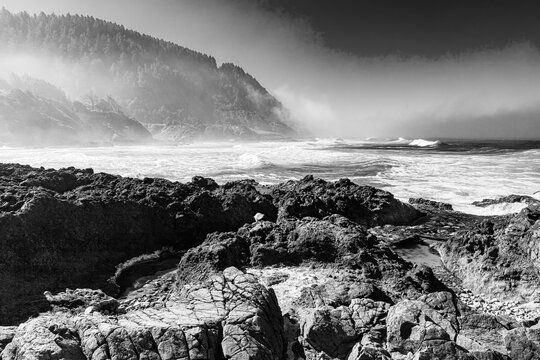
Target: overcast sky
<point>362,68</point>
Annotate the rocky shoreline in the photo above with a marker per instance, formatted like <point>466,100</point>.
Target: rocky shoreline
<point>306,269</point>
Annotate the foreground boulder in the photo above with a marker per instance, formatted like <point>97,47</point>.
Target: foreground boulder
<point>230,316</point>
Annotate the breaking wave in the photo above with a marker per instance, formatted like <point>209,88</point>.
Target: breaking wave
<point>252,162</point>
<point>425,143</point>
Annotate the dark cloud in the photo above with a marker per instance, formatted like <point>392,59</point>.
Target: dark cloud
<point>417,27</point>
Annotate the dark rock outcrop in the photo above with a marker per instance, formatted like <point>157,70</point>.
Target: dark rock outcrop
<point>424,203</point>
<point>70,227</point>
<point>529,200</point>
<point>259,279</point>
<point>366,277</point>
<point>335,331</point>
<point>365,205</point>
<point>333,240</point>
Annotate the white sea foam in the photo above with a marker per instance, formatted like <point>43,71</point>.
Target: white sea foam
<point>454,178</point>
<point>494,209</point>
<point>252,161</point>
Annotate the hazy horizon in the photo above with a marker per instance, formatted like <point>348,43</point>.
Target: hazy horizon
<point>482,92</point>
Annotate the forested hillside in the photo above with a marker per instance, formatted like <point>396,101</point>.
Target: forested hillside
<point>176,92</point>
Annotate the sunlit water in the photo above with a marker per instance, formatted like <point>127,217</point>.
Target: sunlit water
<point>458,174</point>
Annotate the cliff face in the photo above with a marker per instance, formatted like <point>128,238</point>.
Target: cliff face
<point>177,92</point>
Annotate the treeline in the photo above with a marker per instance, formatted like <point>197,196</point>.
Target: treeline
<point>79,37</point>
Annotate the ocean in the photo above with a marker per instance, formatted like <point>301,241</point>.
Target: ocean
<point>456,172</point>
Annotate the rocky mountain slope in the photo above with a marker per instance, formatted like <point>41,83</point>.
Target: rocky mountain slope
<point>35,113</point>
<point>307,269</point>
<point>176,92</point>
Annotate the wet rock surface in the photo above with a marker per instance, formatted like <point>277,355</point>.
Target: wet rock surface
<point>302,270</point>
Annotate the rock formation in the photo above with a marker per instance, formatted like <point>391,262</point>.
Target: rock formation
<point>229,316</point>
<point>70,228</point>
<point>499,255</point>
<point>307,269</point>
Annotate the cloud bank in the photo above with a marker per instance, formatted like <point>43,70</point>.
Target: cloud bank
<point>339,94</point>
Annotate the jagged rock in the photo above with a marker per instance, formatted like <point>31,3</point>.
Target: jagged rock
<point>411,324</point>
<point>507,199</point>
<point>229,316</point>
<point>46,336</point>
<point>482,332</point>
<point>360,352</point>
<point>335,330</point>
<point>70,227</point>
<point>345,293</point>
<point>333,240</point>
<point>219,251</point>
<point>430,204</point>
<point>442,349</point>
<point>78,298</point>
<point>362,204</point>
<point>499,256</point>
<point>331,331</point>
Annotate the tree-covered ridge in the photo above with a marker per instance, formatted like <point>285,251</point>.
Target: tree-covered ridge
<point>78,36</point>
<point>179,93</point>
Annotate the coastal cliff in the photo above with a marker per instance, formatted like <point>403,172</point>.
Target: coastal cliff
<point>307,269</point>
